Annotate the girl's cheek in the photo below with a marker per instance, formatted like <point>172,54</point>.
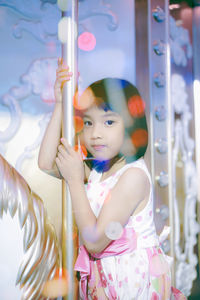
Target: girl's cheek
<point>86,135</point>
<point>85,139</point>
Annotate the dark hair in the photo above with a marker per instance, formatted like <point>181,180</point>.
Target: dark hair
<point>121,96</point>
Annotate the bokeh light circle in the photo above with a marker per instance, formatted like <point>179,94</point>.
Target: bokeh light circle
<point>86,41</point>
<point>84,101</point>
<point>63,29</point>
<point>58,286</point>
<point>140,138</point>
<point>63,4</point>
<point>136,106</point>
<point>114,230</point>
<point>83,150</point>
<point>78,124</point>
<point>158,265</point>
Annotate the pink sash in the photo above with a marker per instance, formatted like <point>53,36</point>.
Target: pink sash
<point>125,244</point>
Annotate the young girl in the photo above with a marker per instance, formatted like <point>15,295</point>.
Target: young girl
<point>120,255</point>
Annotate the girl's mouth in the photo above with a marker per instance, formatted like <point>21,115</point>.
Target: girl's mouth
<point>98,147</point>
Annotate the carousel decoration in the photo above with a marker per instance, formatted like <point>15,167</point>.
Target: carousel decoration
<point>41,253</point>
<point>185,220</point>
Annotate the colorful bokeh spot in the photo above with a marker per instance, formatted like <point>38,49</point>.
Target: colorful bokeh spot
<point>84,101</point>
<point>62,30</point>
<point>62,4</point>
<point>157,284</point>
<point>162,286</point>
<point>61,273</point>
<point>86,41</point>
<point>158,265</point>
<point>75,235</point>
<point>78,124</point>
<point>114,230</point>
<point>58,286</point>
<point>136,106</point>
<point>82,149</point>
<point>48,101</point>
<point>140,138</point>
<point>155,296</point>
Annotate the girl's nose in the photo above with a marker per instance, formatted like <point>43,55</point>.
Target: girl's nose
<point>96,131</point>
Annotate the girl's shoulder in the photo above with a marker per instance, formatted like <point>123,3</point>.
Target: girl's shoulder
<point>128,171</point>
<point>133,179</point>
<point>134,168</point>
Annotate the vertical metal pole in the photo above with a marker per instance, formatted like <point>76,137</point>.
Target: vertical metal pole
<point>196,66</point>
<point>160,108</point>
<point>69,230</point>
<point>142,63</point>
<point>170,138</point>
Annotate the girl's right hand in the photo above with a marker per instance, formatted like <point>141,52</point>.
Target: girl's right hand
<point>62,75</point>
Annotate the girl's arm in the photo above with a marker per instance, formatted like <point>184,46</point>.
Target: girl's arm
<point>49,145</point>
<point>51,139</point>
<point>131,189</point>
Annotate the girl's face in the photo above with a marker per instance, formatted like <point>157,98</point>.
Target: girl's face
<point>103,133</point>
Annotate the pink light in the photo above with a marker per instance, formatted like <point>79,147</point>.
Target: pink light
<point>174,6</point>
<point>48,101</point>
<point>86,41</point>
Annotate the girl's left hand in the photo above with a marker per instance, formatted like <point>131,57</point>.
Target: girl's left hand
<point>69,163</point>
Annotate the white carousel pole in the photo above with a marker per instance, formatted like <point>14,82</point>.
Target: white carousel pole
<point>69,230</point>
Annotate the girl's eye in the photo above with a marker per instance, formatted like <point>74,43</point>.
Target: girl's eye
<point>87,123</point>
<point>109,122</point>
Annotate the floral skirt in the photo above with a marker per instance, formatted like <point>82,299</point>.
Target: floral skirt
<point>143,274</point>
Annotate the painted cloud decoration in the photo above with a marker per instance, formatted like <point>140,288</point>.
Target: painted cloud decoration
<point>39,19</point>
<point>38,80</point>
<point>181,48</point>
<point>41,76</point>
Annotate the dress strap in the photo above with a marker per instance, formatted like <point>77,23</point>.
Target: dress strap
<point>94,176</point>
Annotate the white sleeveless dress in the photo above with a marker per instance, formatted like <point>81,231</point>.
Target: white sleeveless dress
<point>143,274</point>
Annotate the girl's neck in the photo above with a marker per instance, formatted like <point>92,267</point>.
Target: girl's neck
<point>102,166</point>
<point>107,168</point>
<point>118,164</point>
